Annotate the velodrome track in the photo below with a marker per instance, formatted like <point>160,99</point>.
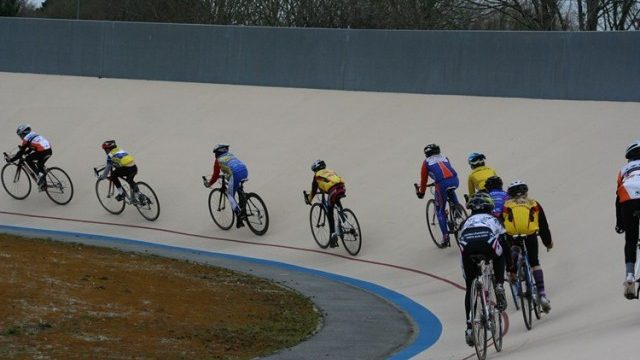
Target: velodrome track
<point>567,151</point>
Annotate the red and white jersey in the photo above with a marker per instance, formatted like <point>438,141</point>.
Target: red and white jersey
<point>629,181</point>
<point>36,142</point>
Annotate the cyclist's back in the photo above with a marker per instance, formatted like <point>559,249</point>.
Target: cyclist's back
<point>479,173</point>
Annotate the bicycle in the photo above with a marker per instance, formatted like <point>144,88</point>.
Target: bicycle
<point>145,200</point>
<point>347,225</point>
<point>525,286</point>
<point>484,315</point>
<point>454,218</point>
<point>16,180</point>
<point>254,209</point>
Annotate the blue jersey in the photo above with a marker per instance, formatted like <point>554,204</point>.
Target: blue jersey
<point>499,198</point>
<point>438,168</point>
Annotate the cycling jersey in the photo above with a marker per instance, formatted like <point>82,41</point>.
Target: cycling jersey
<point>477,178</point>
<point>482,228</point>
<point>499,198</point>
<point>35,142</point>
<point>438,168</point>
<point>120,158</point>
<point>326,179</point>
<point>629,182</point>
<point>229,164</point>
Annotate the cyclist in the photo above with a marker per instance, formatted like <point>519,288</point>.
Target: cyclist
<point>627,212</point>
<point>445,177</point>
<point>479,172</point>
<point>493,186</point>
<point>37,150</point>
<point>482,234</point>
<point>120,164</point>
<point>327,182</point>
<point>525,216</point>
<point>236,172</point>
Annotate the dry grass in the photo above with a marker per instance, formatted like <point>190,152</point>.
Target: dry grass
<point>70,301</point>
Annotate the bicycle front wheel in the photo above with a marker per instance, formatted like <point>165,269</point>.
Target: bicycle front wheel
<point>59,187</point>
<point>220,209</point>
<point>478,321</point>
<point>319,225</point>
<point>106,193</point>
<point>15,181</point>
<point>147,202</point>
<point>458,216</point>
<point>257,214</point>
<point>351,233</point>
<point>433,226</point>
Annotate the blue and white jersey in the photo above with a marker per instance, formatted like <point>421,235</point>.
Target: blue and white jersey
<point>482,227</point>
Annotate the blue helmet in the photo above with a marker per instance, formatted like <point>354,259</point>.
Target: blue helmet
<point>476,159</point>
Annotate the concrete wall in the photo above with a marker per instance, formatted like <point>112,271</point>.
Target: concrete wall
<point>554,65</point>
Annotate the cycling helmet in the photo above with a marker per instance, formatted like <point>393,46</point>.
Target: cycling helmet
<point>109,145</point>
<point>517,188</point>
<point>220,149</point>
<point>431,149</point>
<point>476,159</point>
<point>493,183</point>
<point>23,130</point>
<point>633,150</point>
<point>480,202</point>
<point>318,165</point>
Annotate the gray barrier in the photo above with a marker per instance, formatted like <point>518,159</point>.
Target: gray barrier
<point>550,65</point>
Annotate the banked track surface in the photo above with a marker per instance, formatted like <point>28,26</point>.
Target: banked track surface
<point>568,152</point>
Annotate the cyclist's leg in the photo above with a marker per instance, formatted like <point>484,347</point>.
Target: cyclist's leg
<point>32,161</point>
<point>452,182</point>
<point>129,174</point>
<point>630,223</point>
<point>470,272</point>
<point>538,276</point>
<point>240,176</point>
<point>232,188</point>
<point>439,197</point>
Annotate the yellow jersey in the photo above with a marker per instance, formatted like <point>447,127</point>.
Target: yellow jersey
<point>120,158</point>
<point>326,179</point>
<point>478,177</point>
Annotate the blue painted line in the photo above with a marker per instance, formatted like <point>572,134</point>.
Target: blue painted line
<point>429,327</point>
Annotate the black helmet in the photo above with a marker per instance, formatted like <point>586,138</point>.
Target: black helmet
<point>109,145</point>
<point>517,188</point>
<point>431,149</point>
<point>633,150</point>
<point>480,202</point>
<point>476,159</point>
<point>493,183</point>
<point>318,165</point>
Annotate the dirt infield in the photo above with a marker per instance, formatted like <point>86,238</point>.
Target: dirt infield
<point>62,300</point>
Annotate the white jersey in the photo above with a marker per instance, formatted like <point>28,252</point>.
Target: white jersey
<point>36,142</point>
<point>629,181</point>
<point>482,227</point>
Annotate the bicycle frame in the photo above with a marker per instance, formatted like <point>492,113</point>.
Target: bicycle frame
<point>523,265</point>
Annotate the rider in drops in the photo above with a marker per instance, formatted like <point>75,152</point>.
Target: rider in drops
<point>236,172</point>
<point>444,176</point>
<point>524,216</point>
<point>121,165</point>
<point>628,213</point>
<point>479,172</point>
<point>327,182</point>
<point>482,234</point>
<point>37,150</point>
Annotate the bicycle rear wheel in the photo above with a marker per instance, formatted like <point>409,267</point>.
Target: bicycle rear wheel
<point>16,181</point>
<point>351,234</point>
<point>432,225</point>
<point>257,214</point>
<point>220,210</point>
<point>147,202</point>
<point>319,225</point>
<point>526,301</point>
<point>106,193</point>
<point>59,187</point>
<point>458,216</point>
<point>478,321</point>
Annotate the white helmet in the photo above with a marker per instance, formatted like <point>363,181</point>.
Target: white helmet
<point>219,149</point>
<point>23,130</point>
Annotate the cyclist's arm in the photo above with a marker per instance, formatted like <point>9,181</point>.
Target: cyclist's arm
<point>107,169</point>
<point>545,233</point>
<point>216,173</point>
<point>22,149</point>
<point>619,220</point>
<point>424,176</point>
<point>314,189</point>
<point>470,185</point>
